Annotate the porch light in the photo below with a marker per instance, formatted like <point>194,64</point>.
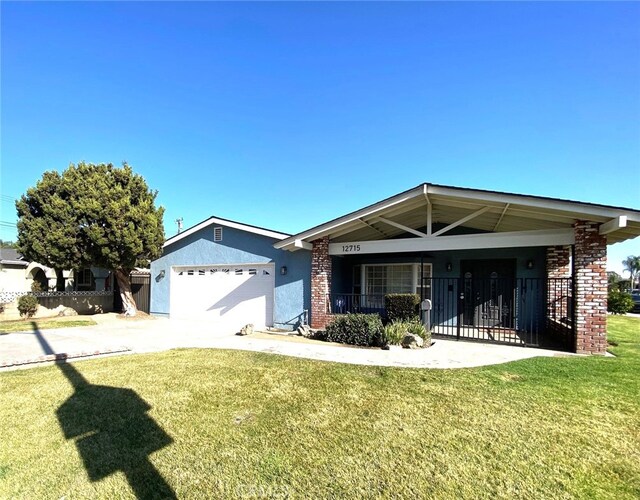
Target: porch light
<point>160,276</point>
<point>449,267</point>
<point>530,264</point>
<point>283,270</point>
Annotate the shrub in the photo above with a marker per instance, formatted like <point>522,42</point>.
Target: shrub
<point>401,306</point>
<point>619,302</point>
<point>36,286</point>
<point>396,330</point>
<point>356,329</point>
<point>27,305</point>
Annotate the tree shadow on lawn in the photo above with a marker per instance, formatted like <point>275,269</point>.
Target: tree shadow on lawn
<point>112,431</point>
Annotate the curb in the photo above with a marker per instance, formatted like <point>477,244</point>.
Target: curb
<point>63,356</point>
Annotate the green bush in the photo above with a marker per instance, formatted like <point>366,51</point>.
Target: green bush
<point>356,329</point>
<point>619,302</point>
<point>401,306</point>
<point>27,305</point>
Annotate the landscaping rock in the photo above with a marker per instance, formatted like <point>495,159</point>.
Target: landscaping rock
<point>246,330</point>
<point>411,341</point>
<point>68,311</point>
<point>305,331</point>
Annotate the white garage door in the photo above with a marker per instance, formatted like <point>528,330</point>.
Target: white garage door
<point>231,296</point>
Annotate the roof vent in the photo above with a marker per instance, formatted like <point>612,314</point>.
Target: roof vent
<point>217,234</point>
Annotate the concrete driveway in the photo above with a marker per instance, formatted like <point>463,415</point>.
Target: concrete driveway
<point>118,336</point>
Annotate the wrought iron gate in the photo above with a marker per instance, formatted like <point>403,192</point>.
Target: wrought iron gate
<point>522,311</point>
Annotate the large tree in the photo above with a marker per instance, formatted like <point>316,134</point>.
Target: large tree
<point>92,215</point>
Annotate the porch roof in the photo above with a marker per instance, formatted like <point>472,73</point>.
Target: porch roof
<point>415,212</point>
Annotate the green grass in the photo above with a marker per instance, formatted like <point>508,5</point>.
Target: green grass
<point>223,424</point>
<point>26,325</point>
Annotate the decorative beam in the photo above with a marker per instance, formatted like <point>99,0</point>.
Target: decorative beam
<point>613,225</point>
<point>303,244</point>
<point>429,217</point>
<point>379,231</point>
<point>514,239</point>
<point>504,211</point>
<point>401,226</point>
<point>462,221</point>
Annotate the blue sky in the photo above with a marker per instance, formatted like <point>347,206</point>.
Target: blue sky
<point>286,115</point>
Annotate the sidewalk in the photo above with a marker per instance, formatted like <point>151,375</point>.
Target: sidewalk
<point>119,336</point>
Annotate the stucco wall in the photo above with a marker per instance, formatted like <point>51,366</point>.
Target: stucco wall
<point>291,297</point>
<point>13,279</point>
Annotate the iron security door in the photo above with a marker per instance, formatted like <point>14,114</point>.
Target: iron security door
<point>488,288</point>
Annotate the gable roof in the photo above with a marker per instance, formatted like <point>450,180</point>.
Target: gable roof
<point>498,212</point>
<point>228,223</point>
<point>10,256</point>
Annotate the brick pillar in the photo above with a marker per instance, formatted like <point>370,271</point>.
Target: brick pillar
<point>320,282</point>
<point>590,299</point>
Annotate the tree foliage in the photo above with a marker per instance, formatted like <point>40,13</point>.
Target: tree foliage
<point>632,265</point>
<point>91,215</point>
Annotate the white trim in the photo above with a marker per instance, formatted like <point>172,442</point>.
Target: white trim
<point>504,211</point>
<point>303,244</point>
<point>223,222</point>
<point>613,225</point>
<point>400,226</point>
<point>364,212</point>
<point>568,210</point>
<point>545,237</point>
<point>461,221</point>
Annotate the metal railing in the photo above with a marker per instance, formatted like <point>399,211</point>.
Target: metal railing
<point>521,311</point>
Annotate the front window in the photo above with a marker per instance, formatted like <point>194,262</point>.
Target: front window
<point>380,279</point>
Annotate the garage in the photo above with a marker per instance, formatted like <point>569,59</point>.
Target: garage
<point>229,295</point>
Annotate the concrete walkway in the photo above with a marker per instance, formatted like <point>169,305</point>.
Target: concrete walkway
<point>113,335</point>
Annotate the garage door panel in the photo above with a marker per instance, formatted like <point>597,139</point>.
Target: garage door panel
<point>229,295</point>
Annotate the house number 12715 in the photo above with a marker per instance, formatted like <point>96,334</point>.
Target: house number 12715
<point>350,248</point>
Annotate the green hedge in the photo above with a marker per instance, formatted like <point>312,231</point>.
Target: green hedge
<point>402,306</point>
<point>356,329</point>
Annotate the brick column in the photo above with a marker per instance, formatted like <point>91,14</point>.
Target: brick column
<point>320,282</point>
<point>590,298</point>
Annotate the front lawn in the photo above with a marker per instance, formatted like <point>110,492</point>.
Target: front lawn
<point>26,325</point>
<point>216,424</point>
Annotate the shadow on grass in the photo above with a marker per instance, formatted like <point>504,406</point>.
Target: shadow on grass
<point>112,431</point>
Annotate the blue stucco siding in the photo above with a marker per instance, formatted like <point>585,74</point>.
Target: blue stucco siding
<point>292,291</point>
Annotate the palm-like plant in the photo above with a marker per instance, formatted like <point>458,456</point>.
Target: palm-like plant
<point>632,265</point>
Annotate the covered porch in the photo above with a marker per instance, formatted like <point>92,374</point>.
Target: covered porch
<point>495,267</point>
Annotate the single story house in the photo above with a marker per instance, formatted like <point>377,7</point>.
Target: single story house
<point>18,274</point>
<point>489,266</point>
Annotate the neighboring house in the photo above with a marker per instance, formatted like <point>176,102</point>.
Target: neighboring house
<point>18,275</point>
<point>494,267</point>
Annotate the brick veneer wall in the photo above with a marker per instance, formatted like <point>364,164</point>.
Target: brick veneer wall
<point>590,292</point>
<point>558,259</point>
<point>320,282</point>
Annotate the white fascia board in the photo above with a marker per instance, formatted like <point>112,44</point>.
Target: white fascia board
<point>545,237</point>
<point>326,228</point>
<point>225,223</point>
<point>585,209</point>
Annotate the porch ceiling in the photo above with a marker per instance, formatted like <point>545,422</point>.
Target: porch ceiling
<point>503,212</point>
